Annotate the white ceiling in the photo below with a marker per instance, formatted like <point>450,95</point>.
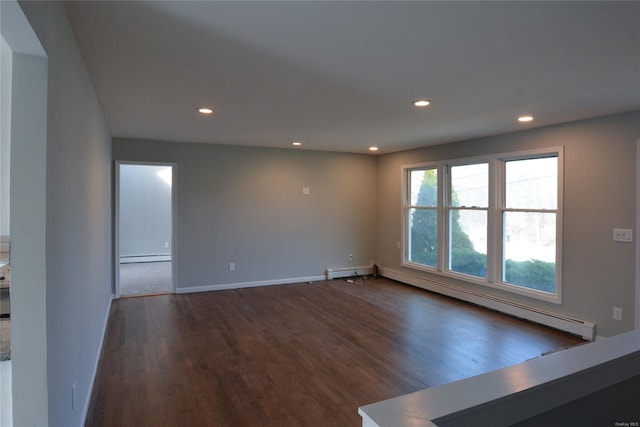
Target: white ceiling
<point>342,76</point>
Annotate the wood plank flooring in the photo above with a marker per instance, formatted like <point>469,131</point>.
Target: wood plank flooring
<point>294,355</point>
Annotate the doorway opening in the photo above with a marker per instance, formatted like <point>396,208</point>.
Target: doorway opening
<point>145,218</point>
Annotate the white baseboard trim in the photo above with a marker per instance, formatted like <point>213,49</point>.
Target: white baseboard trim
<point>144,258</point>
<point>239,285</point>
<point>360,270</point>
<point>579,327</point>
<point>105,323</point>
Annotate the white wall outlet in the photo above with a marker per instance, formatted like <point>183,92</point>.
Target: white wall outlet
<point>306,190</point>
<point>617,314</point>
<point>350,257</point>
<point>166,244</point>
<point>622,235</point>
<point>399,245</point>
<point>232,266</point>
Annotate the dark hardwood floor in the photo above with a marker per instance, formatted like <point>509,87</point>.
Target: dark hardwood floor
<point>294,355</point>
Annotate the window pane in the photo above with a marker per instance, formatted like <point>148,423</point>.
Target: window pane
<point>424,187</point>
<point>423,235</point>
<point>532,183</point>
<point>530,250</point>
<point>470,185</point>
<point>468,242</point>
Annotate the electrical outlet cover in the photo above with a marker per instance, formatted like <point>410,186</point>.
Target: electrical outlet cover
<point>617,314</point>
<point>622,235</point>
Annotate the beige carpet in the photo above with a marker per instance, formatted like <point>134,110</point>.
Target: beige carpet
<point>145,278</point>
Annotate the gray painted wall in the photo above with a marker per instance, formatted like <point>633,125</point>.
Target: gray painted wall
<point>245,205</point>
<point>78,219</point>
<point>615,405</point>
<point>145,211</point>
<point>599,195</point>
<point>28,249</point>
<point>28,127</point>
<point>5,136</point>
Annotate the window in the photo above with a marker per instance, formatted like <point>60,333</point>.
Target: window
<point>529,219</point>
<point>495,221</point>
<point>468,207</point>
<point>423,216</point>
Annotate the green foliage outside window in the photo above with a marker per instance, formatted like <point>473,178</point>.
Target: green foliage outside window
<point>533,274</point>
<point>424,232</point>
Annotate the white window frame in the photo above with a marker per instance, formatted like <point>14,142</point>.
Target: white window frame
<point>447,208</point>
<point>495,211</point>
<point>406,208</point>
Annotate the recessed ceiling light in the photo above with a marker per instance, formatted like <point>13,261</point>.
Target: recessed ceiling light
<point>296,143</point>
<point>421,103</point>
<point>524,119</point>
<point>373,148</point>
<point>205,110</point>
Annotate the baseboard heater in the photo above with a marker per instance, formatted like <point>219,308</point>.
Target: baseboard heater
<point>362,270</point>
<point>558,321</point>
<point>145,258</point>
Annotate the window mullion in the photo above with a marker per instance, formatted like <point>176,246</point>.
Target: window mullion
<point>443,221</point>
<point>406,203</point>
<point>494,223</point>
